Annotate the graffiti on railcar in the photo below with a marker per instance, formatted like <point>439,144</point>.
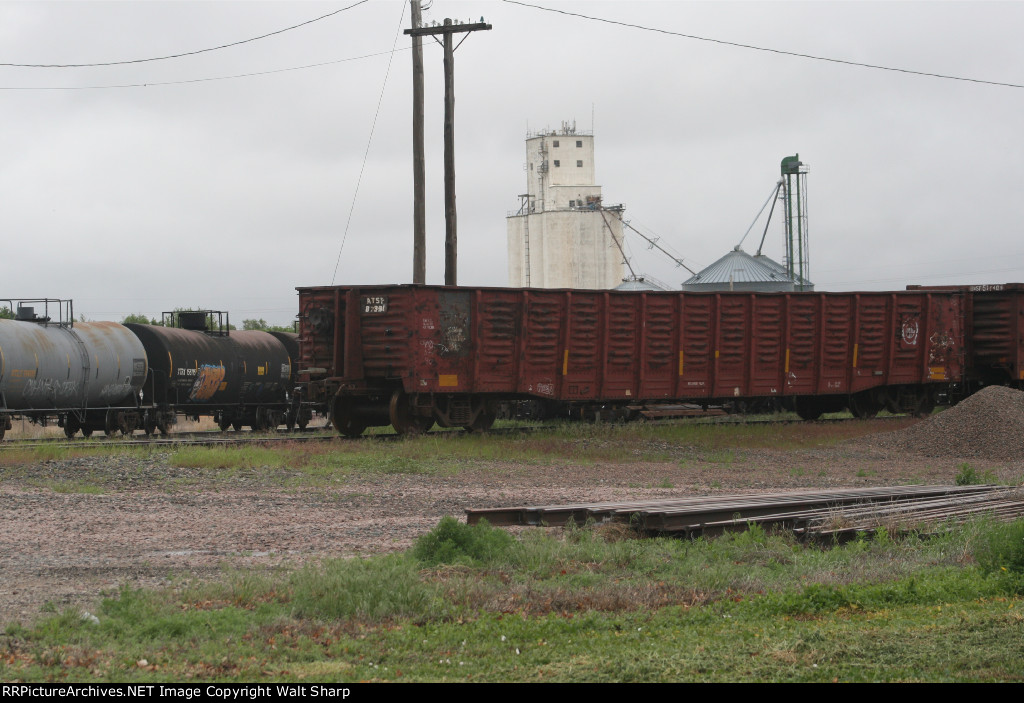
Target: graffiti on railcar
<point>208,380</point>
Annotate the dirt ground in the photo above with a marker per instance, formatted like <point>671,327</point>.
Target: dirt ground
<point>68,548</point>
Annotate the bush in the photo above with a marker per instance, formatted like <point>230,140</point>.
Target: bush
<point>453,542</point>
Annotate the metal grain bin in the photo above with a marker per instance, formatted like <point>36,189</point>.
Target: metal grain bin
<point>48,366</point>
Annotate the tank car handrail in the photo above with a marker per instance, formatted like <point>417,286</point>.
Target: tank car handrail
<point>172,319</point>
<point>65,309</point>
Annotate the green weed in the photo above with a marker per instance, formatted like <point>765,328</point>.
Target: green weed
<point>968,476</point>
<point>1001,549</point>
<point>453,542</point>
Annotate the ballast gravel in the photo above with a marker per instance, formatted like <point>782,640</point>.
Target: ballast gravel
<point>987,425</point>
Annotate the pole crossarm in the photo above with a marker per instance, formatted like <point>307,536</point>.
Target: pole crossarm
<point>447,29</point>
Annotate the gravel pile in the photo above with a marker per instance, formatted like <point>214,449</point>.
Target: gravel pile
<point>987,425</point>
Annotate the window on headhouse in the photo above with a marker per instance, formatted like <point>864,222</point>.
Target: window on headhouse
<point>579,142</point>
<point>579,164</point>
<point>557,163</point>
<point>555,143</point>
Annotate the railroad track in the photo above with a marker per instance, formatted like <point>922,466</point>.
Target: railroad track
<point>184,438</point>
<point>760,420</point>
<point>212,438</point>
<point>322,434</point>
<point>216,437</point>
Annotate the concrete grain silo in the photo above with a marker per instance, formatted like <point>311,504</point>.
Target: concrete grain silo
<point>562,236</point>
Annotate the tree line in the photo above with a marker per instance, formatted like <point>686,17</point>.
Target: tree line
<point>138,318</point>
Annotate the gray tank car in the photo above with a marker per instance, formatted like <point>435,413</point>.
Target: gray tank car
<point>86,375</point>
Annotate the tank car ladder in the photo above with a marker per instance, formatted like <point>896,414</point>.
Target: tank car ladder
<point>86,369</point>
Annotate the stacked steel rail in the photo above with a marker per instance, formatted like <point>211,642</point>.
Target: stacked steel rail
<point>813,514</point>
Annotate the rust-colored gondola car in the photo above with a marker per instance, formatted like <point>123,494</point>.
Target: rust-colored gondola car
<point>411,356</point>
<point>993,333</point>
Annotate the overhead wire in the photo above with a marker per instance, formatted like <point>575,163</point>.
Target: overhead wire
<point>185,53</point>
<point>762,48</point>
<point>369,141</point>
<point>956,275</point>
<point>213,78</point>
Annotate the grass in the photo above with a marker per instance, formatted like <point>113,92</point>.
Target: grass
<point>21,464</point>
<point>582,604</point>
<point>685,443</point>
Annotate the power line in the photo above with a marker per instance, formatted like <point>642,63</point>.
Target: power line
<point>187,53</point>
<point>369,141</point>
<point>765,49</point>
<point>214,78</point>
<point>957,275</point>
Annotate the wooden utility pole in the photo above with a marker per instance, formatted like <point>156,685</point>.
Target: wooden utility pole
<point>448,29</point>
<point>419,178</point>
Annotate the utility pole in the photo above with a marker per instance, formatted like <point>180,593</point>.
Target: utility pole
<point>419,178</point>
<point>447,30</point>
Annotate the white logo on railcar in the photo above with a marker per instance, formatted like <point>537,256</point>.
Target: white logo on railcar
<point>911,328</point>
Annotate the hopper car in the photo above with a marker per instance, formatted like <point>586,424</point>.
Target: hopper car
<point>104,376</point>
<point>413,356</point>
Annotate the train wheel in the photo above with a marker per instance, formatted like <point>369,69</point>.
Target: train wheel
<point>148,425</point>
<point>236,425</point>
<point>71,426</point>
<point>272,420</point>
<point>110,424</point>
<point>345,421</point>
<point>403,419</point>
<point>925,405</point>
<point>864,405</point>
<point>808,409</point>
<point>121,424</point>
<point>87,432</point>
<point>224,423</point>
<point>349,427</point>
<point>3,429</point>
<point>484,419</point>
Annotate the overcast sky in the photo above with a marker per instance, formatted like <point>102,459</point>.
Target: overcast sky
<point>228,194</point>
